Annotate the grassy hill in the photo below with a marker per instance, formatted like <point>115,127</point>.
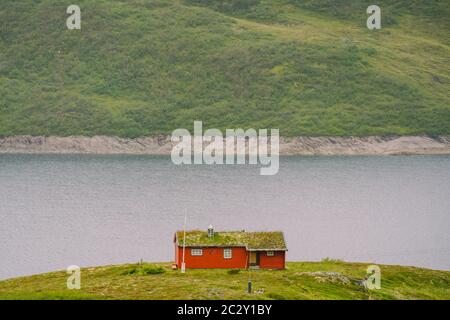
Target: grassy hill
<point>302,280</point>
<point>145,67</point>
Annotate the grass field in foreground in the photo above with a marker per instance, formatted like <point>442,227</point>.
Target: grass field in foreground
<point>302,280</point>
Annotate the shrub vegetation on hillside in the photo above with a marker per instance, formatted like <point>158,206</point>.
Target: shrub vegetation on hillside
<point>147,67</point>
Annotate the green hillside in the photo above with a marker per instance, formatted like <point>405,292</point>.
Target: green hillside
<point>302,280</point>
<point>146,67</point>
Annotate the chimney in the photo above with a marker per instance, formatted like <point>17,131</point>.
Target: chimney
<point>210,231</point>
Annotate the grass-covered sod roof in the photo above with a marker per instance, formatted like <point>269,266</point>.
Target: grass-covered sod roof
<point>250,240</point>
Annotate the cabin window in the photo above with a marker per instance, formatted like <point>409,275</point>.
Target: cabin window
<point>270,253</point>
<point>227,254</point>
<point>196,252</point>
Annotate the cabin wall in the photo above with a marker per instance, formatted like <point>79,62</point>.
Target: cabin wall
<point>277,261</point>
<point>213,258</point>
<point>177,256</point>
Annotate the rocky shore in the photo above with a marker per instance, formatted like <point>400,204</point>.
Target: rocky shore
<point>161,145</point>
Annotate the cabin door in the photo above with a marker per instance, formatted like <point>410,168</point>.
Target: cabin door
<point>254,258</point>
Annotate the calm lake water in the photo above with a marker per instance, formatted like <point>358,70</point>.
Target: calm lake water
<point>60,210</point>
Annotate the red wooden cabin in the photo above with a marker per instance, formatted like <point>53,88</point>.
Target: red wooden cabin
<point>230,249</point>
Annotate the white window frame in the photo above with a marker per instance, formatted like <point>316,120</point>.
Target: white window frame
<point>270,253</point>
<point>227,253</point>
<point>196,252</point>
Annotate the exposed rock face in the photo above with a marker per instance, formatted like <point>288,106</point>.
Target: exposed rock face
<point>86,145</point>
<point>365,145</point>
<point>161,145</point>
<point>334,277</point>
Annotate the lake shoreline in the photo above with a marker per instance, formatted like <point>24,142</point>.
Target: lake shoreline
<point>162,145</point>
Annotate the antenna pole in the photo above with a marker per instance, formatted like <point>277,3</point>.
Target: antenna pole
<point>183,265</point>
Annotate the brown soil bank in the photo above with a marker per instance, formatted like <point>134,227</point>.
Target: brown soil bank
<point>161,145</point>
